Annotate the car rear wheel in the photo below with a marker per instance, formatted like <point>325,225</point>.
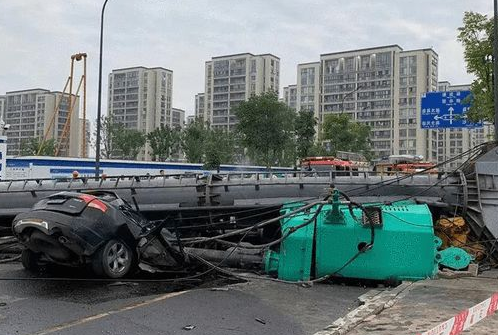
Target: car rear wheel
<point>113,260</point>
<point>30,260</point>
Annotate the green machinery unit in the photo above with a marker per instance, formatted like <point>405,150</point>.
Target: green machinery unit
<point>338,242</point>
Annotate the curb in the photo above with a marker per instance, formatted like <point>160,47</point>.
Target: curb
<point>373,302</point>
<point>467,318</point>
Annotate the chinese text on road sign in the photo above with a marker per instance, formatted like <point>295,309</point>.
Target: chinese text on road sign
<point>446,110</point>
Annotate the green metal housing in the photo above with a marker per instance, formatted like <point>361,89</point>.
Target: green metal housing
<point>404,244</point>
<point>454,258</point>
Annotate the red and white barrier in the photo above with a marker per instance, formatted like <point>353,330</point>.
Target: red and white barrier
<point>466,319</point>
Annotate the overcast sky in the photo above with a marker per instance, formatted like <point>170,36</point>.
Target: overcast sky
<point>38,37</point>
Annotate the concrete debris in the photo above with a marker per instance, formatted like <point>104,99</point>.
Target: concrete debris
<point>472,271</point>
<point>373,303</point>
<point>260,321</point>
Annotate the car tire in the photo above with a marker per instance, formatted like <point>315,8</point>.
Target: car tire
<point>30,260</point>
<point>113,260</point>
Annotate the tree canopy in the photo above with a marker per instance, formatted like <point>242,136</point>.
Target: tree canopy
<point>107,130</point>
<point>305,133</point>
<point>193,139</point>
<point>266,127</point>
<point>213,147</point>
<point>345,134</point>
<point>476,36</point>
<point>219,148</point>
<point>128,142</point>
<point>37,147</point>
<point>163,141</point>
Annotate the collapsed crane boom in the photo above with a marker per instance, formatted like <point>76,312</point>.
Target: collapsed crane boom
<point>63,137</point>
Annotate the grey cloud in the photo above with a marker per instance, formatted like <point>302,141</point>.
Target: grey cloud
<point>38,37</point>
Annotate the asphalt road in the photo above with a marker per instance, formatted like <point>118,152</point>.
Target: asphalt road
<point>88,308</point>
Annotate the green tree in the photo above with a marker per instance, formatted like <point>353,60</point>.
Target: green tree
<point>219,148</point>
<point>107,131</point>
<point>317,150</point>
<point>163,142</point>
<point>346,135</point>
<point>266,128</point>
<point>193,140</point>
<point>37,147</point>
<point>128,142</point>
<point>476,36</point>
<point>305,133</point>
<point>289,153</point>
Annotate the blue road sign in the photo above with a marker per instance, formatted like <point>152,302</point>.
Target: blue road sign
<point>446,110</point>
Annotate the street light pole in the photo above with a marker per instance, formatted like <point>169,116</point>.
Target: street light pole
<point>99,99</point>
<point>348,94</point>
<point>495,65</point>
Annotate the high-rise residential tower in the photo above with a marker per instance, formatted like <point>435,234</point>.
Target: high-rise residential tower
<point>2,106</point>
<point>231,79</point>
<point>141,98</point>
<point>290,96</point>
<point>177,118</point>
<point>40,113</point>
<point>199,106</point>
<point>378,86</point>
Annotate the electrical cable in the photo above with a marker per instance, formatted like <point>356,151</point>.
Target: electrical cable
<point>245,276</point>
<point>237,212</point>
<point>439,181</point>
<point>189,241</point>
<point>286,234</point>
<point>12,259</point>
<point>317,280</point>
<point>364,249</point>
<point>387,182</point>
<point>244,218</point>
<point>408,222</point>
<point>220,214</point>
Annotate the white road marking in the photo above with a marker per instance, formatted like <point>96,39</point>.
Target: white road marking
<point>105,314</point>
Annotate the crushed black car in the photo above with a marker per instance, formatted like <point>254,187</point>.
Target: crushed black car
<point>95,229</point>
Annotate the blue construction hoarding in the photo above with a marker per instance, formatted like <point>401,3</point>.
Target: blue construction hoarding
<point>446,110</point>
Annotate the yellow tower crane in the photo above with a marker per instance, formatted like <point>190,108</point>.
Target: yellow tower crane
<point>63,141</point>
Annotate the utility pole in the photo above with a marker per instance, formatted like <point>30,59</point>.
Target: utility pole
<point>495,65</point>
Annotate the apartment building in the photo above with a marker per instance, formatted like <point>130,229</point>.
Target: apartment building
<point>231,79</point>
<point>191,119</point>
<point>451,142</point>
<point>199,106</point>
<point>290,96</point>
<point>40,113</point>
<point>177,118</point>
<point>418,73</point>
<point>141,98</point>
<point>378,86</point>
<point>2,106</point>
<point>308,88</point>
